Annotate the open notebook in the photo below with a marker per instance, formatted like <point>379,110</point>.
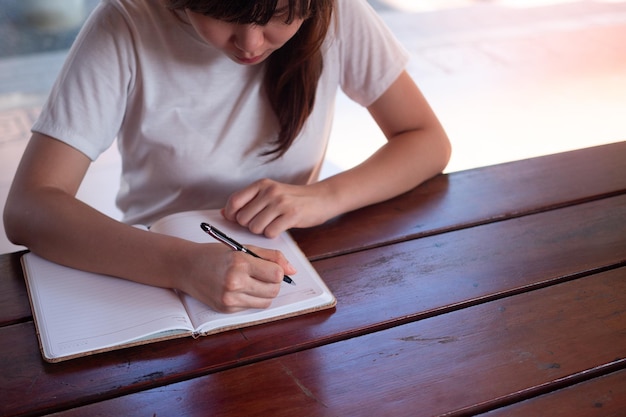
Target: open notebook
<point>78,313</point>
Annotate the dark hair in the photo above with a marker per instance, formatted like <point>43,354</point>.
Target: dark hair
<point>293,71</point>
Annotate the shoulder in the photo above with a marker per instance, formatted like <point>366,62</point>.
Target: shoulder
<point>133,7</point>
<point>356,20</point>
<point>134,12</point>
<point>363,50</point>
<point>357,28</point>
<point>354,10</point>
<point>127,28</point>
<point>150,16</point>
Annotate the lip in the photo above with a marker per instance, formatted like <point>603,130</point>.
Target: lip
<point>249,61</point>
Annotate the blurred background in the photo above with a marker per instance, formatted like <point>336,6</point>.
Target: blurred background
<point>509,79</point>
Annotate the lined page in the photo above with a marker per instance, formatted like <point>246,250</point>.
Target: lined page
<point>77,311</point>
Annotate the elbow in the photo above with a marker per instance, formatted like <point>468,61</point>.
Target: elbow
<point>15,218</point>
<point>12,222</point>
<point>442,152</point>
<point>446,152</point>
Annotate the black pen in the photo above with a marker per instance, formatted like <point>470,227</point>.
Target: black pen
<point>234,245</point>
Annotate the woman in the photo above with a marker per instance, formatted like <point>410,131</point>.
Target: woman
<point>216,105</point>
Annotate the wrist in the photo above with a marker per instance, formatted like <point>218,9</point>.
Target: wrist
<point>341,193</point>
<point>330,198</point>
<point>174,261</point>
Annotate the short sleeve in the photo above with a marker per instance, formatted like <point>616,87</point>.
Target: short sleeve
<point>371,57</point>
<point>87,103</point>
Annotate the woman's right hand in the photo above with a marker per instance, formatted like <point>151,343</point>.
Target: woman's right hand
<point>230,281</point>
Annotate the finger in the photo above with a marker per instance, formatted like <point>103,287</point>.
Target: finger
<point>276,257</point>
<point>254,285</point>
<point>246,301</point>
<point>256,206</point>
<point>256,215</point>
<point>278,225</point>
<point>261,219</point>
<point>272,214</point>
<point>238,200</point>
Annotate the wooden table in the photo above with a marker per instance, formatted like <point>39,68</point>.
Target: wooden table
<point>499,290</point>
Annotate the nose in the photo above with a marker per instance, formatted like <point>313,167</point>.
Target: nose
<point>249,38</point>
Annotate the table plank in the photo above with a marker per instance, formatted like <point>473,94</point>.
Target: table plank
<point>376,289</point>
<point>473,197</point>
<point>14,304</point>
<point>603,396</point>
<point>459,363</point>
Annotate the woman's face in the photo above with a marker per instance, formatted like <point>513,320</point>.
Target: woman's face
<point>246,44</point>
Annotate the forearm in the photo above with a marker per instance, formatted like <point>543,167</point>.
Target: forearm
<point>61,228</point>
<point>401,164</point>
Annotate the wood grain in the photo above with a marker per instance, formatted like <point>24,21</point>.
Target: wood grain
<point>603,396</point>
<point>14,304</point>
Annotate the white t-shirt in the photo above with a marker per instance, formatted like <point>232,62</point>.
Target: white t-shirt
<point>191,123</point>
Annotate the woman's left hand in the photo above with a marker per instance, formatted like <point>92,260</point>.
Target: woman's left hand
<point>269,207</point>
<point>417,148</point>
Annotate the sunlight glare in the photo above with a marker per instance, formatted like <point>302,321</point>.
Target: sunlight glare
<point>430,5</point>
